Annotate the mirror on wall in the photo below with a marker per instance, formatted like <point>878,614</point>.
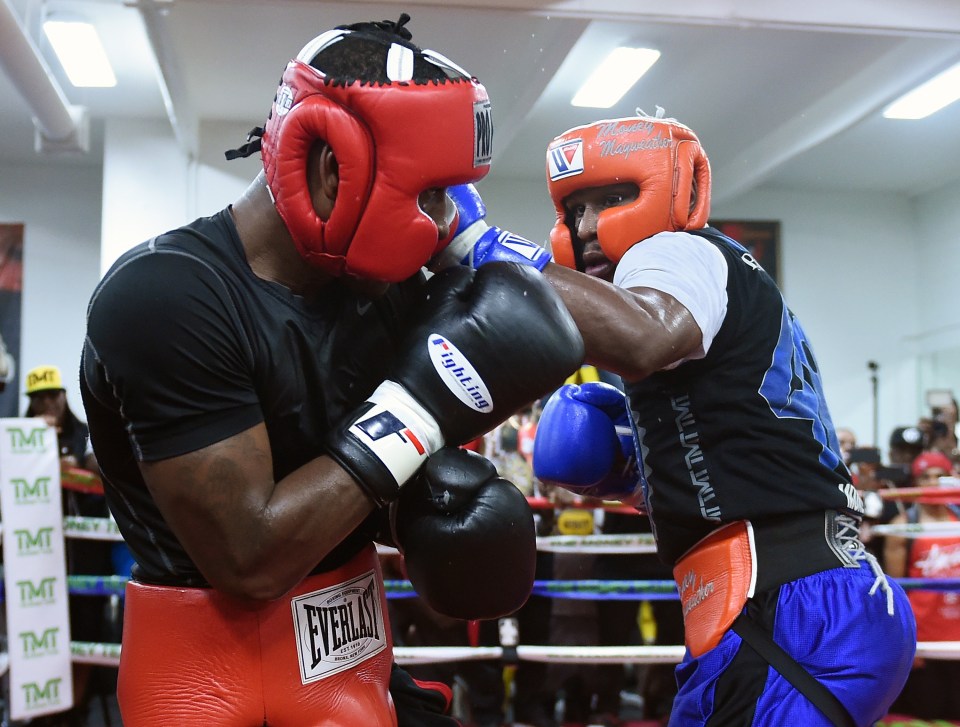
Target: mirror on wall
<point>938,377</point>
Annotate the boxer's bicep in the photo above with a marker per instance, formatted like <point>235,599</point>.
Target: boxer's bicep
<point>631,332</point>
<point>214,500</point>
<point>249,535</point>
<point>669,330</point>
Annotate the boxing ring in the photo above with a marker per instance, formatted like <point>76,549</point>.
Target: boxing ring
<point>510,651</point>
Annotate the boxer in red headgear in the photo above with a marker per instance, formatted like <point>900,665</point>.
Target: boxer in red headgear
<point>367,127</point>
<point>787,618</point>
<point>272,389</point>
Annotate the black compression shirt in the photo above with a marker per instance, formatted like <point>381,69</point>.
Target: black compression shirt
<point>186,347</point>
<point>743,433</point>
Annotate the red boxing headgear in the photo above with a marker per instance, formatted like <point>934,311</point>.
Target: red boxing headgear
<point>661,156</point>
<point>928,460</point>
<point>391,140</point>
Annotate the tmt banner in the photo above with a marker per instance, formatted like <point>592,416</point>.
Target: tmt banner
<point>35,578</point>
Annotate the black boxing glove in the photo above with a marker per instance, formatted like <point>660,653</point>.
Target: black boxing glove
<point>484,343</point>
<point>467,537</point>
<point>420,703</point>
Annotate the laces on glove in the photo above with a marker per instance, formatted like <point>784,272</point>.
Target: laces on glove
<point>849,536</point>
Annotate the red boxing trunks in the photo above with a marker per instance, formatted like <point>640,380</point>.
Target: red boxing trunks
<point>321,655</point>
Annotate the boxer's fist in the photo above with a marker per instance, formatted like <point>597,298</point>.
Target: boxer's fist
<point>477,243</point>
<point>484,344</point>
<point>584,442</point>
<point>467,537</point>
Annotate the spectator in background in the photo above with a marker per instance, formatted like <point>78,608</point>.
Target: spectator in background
<point>870,477</point>
<point>527,431</point>
<point>944,430</point>
<point>48,401</point>
<point>90,616</point>
<point>906,444</point>
<point>848,442</point>
<point>931,689</point>
<point>502,447</point>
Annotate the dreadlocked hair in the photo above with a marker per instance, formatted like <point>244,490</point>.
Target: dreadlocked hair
<point>362,55</point>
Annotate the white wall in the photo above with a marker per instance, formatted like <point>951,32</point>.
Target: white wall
<point>938,259</point>
<point>221,182</point>
<point>937,217</point>
<point>60,208</point>
<point>146,185</point>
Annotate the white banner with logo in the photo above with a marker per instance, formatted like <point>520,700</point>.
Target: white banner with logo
<point>35,574</point>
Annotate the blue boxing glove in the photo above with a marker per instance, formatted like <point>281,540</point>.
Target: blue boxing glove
<point>476,243</point>
<point>584,443</point>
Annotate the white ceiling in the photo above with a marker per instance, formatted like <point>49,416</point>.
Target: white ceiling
<point>780,92</point>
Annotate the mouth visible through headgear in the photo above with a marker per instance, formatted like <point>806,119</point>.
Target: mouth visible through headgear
<point>596,263</point>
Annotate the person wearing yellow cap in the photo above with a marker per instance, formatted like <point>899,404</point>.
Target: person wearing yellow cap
<point>48,400</point>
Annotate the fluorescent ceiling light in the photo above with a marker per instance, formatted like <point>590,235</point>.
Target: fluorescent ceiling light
<point>614,77</point>
<point>81,53</point>
<point>927,98</point>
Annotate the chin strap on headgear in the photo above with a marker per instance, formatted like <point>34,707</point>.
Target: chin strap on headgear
<point>661,156</point>
<point>391,141</point>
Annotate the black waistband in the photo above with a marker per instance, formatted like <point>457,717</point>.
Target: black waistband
<point>798,545</point>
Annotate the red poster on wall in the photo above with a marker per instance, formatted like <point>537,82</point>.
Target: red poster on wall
<point>760,237</point>
<point>11,288</point>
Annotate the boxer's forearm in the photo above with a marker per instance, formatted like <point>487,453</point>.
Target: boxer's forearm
<point>628,332</point>
<point>250,536</point>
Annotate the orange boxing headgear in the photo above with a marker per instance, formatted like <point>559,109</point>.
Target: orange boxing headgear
<point>392,140</point>
<point>661,156</point>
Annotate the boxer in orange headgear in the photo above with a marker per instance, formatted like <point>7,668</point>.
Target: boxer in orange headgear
<point>739,468</point>
<point>659,162</point>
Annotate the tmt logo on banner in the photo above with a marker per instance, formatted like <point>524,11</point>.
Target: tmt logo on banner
<point>34,572</point>
<point>39,542</point>
<point>39,644</point>
<point>38,695</point>
<point>27,440</point>
<point>32,491</point>
<point>37,593</point>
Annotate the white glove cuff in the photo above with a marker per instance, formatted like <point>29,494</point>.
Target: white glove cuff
<point>462,245</point>
<point>420,428</point>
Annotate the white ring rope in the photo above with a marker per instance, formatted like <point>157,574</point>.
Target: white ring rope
<point>944,529</point>
<point>610,543</point>
<point>407,655</point>
<point>85,652</point>
<point>602,654</point>
<point>97,528</point>
<point>91,528</point>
